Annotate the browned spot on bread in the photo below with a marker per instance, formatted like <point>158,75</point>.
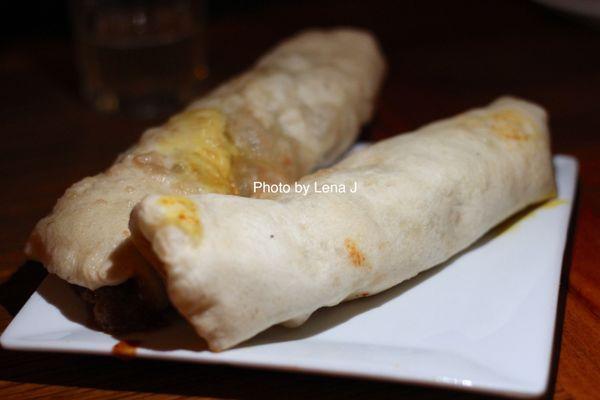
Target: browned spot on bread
<point>125,348</point>
<point>510,125</point>
<point>181,212</point>
<point>356,256</point>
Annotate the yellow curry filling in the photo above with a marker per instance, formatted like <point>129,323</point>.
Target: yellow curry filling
<point>200,148</point>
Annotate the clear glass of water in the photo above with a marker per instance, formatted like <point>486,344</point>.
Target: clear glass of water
<point>143,58</point>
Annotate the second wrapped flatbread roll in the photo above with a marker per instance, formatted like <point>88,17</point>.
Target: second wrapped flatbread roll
<point>235,266</point>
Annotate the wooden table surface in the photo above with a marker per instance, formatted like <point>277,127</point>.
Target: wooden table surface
<point>444,57</point>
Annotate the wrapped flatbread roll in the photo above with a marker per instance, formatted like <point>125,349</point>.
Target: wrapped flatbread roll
<point>235,266</point>
<point>301,105</point>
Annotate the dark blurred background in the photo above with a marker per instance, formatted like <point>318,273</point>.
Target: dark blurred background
<point>438,50</point>
<point>20,18</point>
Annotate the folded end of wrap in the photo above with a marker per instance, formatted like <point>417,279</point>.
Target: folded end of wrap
<point>226,286</point>
<point>537,115</point>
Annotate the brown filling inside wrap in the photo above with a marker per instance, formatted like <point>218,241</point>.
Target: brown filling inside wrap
<point>122,309</point>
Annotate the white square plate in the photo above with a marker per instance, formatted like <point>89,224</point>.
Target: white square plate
<point>483,321</point>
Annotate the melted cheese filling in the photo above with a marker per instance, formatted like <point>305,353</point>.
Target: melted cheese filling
<point>200,149</point>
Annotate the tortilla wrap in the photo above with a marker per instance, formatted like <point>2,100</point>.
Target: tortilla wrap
<point>235,266</point>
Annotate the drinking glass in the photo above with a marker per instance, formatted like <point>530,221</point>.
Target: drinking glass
<point>140,57</point>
